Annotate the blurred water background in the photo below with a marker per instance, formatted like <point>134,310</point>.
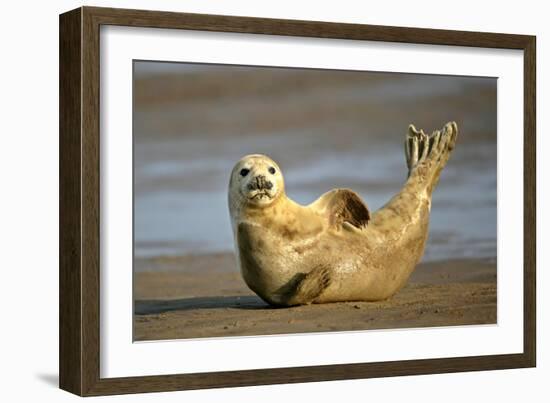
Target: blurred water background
<point>327,129</point>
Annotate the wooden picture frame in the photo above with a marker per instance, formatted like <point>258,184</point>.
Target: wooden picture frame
<point>79,278</point>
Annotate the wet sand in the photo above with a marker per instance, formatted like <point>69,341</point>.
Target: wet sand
<point>204,296</point>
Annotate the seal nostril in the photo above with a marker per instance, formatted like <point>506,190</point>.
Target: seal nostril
<point>259,183</point>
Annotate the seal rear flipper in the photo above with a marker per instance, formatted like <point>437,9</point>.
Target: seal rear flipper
<point>428,154</point>
<point>304,289</point>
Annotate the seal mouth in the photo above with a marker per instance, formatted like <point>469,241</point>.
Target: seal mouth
<point>260,196</point>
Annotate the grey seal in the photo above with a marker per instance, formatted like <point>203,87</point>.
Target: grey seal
<point>333,249</point>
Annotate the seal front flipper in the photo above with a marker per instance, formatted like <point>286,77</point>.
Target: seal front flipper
<point>303,288</point>
<point>343,206</point>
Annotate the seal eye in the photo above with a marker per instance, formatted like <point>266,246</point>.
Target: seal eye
<point>244,172</point>
<point>272,170</point>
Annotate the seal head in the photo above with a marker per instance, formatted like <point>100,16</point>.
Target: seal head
<point>256,182</point>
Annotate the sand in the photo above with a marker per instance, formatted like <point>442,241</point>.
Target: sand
<point>205,296</point>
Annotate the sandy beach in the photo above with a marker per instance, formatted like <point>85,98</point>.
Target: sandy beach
<point>204,296</point>
<point>326,129</point>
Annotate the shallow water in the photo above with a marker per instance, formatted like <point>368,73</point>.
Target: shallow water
<point>180,178</point>
<point>189,214</point>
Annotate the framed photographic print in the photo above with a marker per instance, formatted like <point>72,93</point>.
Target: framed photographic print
<point>249,201</point>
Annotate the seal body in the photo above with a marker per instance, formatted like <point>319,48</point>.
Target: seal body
<point>333,249</point>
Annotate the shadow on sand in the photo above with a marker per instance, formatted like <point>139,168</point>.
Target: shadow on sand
<point>148,307</point>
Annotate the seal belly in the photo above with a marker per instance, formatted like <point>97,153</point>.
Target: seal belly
<point>266,263</point>
<point>375,263</point>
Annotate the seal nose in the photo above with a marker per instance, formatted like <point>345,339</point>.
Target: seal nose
<point>260,183</point>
